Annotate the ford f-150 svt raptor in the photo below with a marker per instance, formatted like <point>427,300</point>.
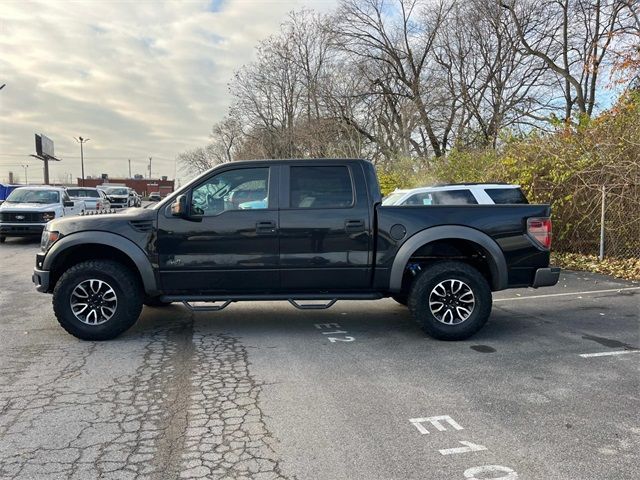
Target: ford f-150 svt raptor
<point>297,230</point>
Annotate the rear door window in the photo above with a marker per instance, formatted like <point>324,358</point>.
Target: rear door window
<point>419,199</point>
<point>321,187</point>
<point>504,196</point>
<point>453,197</point>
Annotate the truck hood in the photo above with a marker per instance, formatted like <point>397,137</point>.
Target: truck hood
<point>30,207</point>
<point>111,222</point>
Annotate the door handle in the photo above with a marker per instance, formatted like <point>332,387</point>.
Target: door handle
<point>351,226</point>
<point>265,227</point>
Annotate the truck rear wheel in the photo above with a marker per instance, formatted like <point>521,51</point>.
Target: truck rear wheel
<point>97,300</point>
<point>451,300</point>
<point>2,238</point>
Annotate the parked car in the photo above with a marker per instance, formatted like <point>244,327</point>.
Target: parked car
<point>458,194</point>
<point>322,235</point>
<point>134,199</point>
<point>119,197</point>
<point>26,210</point>
<point>93,198</point>
<point>155,197</point>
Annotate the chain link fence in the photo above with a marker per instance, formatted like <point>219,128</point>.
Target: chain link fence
<point>602,221</point>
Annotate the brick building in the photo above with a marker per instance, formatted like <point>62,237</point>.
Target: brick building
<point>144,186</point>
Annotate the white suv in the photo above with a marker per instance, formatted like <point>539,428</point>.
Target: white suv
<point>458,194</point>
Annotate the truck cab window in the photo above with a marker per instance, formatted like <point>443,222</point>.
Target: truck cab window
<point>242,189</point>
<point>321,187</point>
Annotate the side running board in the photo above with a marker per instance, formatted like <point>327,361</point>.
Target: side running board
<point>313,306</point>
<point>208,308</point>
<point>220,302</point>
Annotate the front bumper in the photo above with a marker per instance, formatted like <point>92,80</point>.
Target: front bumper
<point>21,229</point>
<point>546,277</point>
<point>40,278</point>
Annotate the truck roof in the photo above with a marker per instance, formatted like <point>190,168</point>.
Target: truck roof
<point>298,160</point>
<point>41,187</point>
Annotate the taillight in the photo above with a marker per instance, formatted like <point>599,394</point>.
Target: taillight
<point>98,205</point>
<point>540,230</point>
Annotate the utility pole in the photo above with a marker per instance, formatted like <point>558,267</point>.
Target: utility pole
<point>149,168</point>
<point>129,168</point>
<point>26,179</point>
<point>82,141</point>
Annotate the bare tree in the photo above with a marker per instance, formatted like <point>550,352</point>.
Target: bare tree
<point>226,140</point>
<point>400,44</point>
<point>572,39</point>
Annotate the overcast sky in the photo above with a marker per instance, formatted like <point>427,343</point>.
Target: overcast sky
<point>139,78</point>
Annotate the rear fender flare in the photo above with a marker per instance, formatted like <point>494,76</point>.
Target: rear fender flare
<point>496,260</point>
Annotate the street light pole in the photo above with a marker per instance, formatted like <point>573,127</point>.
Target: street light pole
<point>82,141</point>
<point>26,179</point>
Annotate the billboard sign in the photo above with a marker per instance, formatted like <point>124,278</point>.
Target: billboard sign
<point>44,146</point>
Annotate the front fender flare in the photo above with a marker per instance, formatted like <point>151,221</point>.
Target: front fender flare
<point>497,262</point>
<point>126,246</point>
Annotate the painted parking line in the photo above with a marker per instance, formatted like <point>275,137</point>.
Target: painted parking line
<point>565,294</point>
<point>607,354</point>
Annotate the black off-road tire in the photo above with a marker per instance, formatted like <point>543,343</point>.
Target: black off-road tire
<point>155,302</point>
<point>125,285</point>
<point>2,238</point>
<point>441,272</point>
<point>401,298</point>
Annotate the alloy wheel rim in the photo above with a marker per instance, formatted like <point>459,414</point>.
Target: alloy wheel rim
<point>452,302</point>
<point>93,302</point>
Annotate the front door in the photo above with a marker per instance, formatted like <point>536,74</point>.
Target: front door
<point>230,241</point>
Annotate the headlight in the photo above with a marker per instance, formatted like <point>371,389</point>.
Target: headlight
<point>48,239</point>
<point>46,216</point>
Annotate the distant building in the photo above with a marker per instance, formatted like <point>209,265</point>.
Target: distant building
<point>144,186</point>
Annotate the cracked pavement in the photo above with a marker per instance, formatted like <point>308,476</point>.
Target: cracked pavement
<point>258,391</point>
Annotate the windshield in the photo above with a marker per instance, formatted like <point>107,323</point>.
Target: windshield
<point>118,191</point>
<point>24,195</point>
<point>392,198</point>
<point>79,193</point>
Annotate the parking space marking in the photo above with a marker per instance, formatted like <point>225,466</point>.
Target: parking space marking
<point>468,447</point>
<point>565,294</point>
<point>435,421</point>
<point>470,474</point>
<point>607,354</point>
<point>344,338</point>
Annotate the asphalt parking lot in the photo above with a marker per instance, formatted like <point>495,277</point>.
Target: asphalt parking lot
<point>264,391</point>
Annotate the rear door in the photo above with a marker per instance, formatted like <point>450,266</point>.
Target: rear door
<point>325,227</point>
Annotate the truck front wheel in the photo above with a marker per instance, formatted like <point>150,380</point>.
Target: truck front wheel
<point>451,300</point>
<point>97,300</point>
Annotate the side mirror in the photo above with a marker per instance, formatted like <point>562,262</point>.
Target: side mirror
<point>179,206</point>
<point>68,203</point>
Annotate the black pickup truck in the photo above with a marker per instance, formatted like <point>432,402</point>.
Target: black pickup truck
<point>297,230</point>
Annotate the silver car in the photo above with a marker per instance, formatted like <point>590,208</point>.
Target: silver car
<point>94,199</point>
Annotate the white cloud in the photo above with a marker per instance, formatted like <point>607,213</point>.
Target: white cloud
<point>139,79</point>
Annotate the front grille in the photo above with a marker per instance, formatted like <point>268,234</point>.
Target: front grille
<point>18,217</point>
<point>119,200</point>
<point>141,225</point>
